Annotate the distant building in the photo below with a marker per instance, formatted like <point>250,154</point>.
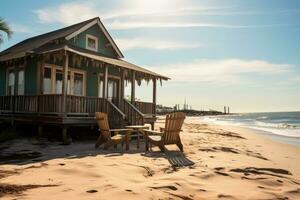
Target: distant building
<point>164,109</point>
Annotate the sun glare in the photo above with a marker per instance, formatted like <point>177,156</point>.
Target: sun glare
<point>154,6</point>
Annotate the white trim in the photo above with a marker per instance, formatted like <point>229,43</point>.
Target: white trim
<point>71,72</point>
<point>7,80</point>
<point>87,37</point>
<point>101,26</point>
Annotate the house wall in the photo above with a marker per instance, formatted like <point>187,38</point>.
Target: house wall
<point>80,41</point>
<point>2,80</point>
<point>30,73</point>
<point>31,80</point>
<point>92,74</point>
<point>31,77</point>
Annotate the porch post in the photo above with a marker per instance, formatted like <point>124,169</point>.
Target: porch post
<point>40,74</point>
<point>105,85</point>
<point>15,86</point>
<point>105,81</point>
<point>16,79</point>
<point>122,85</point>
<point>65,82</point>
<point>133,87</point>
<point>154,95</point>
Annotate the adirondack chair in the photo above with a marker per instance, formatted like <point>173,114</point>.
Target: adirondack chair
<point>106,133</point>
<point>167,135</point>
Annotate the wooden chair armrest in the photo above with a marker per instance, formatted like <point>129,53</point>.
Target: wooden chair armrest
<point>150,132</point>
<point>120,130</point>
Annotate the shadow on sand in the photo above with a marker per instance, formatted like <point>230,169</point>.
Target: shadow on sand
<point>27,151</point>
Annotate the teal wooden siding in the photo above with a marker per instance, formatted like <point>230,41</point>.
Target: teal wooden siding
<point>2,80</point>
<point>31,80</point>
<point>31,77</point>
<point>92,81</point>
<point>80,41</point>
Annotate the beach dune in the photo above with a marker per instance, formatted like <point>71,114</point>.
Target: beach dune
<point>219,162</point>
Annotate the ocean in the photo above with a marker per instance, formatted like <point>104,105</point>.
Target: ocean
<point>282,126</point>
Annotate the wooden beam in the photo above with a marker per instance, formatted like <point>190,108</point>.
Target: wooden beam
<point>16,71</point>
<point>105,81</point>
<point>122,85</point>
<point>154,95</point>
<point>133,87</point>
<point>40,75</point>
<point>65,82</point>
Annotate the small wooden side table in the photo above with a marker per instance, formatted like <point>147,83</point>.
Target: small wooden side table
<point>139,129</point>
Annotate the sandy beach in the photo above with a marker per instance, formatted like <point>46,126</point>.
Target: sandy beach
<point>219,162</point>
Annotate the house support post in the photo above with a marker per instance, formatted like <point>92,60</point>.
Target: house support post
<point>66,139</point>
<point>153,100</point>
<point>105,85</point>
<point>65,83</point>
<point>40,131</point>
<point>15,85</point>
<point>122,87</point>
<point>64,95</point>
<point>154,95</point>
<point>133,87</point>
<point>40,79</point>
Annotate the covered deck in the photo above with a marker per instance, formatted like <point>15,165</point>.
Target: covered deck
<point>68,110</point>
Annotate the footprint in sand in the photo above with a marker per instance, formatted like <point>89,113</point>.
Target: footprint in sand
<point>92,191</point>
<point>170,187</point>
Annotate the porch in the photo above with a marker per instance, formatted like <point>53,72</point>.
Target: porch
<point>78,110</point>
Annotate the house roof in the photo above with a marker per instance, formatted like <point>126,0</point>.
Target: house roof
<point>28,45</point>
<point>43,44</point>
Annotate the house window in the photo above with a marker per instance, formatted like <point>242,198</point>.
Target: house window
<point>100,87</point>
<point>47,81</point>
<point>91,42</point>
<point>78,84</point>
<point>11,82</point>
<point>21,82</point>
<point>58,81</point>
<point>53,81</point>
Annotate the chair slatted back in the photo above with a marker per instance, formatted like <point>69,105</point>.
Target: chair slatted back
<point>102,121</point>
<point>173,125</point>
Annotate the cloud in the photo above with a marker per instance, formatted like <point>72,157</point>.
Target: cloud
<point>119,25</point>
<point>66,14</point>
<point>133,14</point>
<point>151,43</point>
<point>17,28</point>
<point>132,24</point>
<point>230,71</point>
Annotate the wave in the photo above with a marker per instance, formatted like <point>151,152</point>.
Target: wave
<point>276,125</point>
<point>281,132</point>
<point>282,129</point>
<point>263,117</point>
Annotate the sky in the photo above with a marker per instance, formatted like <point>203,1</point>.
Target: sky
<point>244,54</point>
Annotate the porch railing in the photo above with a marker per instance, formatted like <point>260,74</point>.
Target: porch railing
<point>77,106</point>
<point>51,103</point>
<point>145,107</point>
<point>134,116</point>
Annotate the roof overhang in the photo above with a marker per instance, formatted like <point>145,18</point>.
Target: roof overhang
<point>83,52</point>
<point>117,62</point>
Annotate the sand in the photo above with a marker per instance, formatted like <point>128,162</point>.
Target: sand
<point>219,162</point>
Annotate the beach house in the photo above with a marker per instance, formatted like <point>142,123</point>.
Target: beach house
<point>63,77</point>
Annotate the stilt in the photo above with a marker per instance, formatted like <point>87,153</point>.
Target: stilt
<point>65,138</point>
<point>40,131</point>
<point>12,123</point>
<point>152,125</point>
